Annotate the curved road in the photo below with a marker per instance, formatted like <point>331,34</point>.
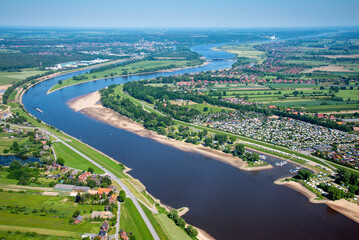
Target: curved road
<point>107,172</point>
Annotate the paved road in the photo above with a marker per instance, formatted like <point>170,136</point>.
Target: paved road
<point>110,174</point>
<point>118,220</point>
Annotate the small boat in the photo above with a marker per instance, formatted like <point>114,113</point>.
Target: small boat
<point>281,163</point>
<point>38,109</point>
<point>294,170</point>
<point>263,157</point>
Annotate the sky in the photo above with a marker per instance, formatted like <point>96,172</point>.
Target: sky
<point>180,13</point>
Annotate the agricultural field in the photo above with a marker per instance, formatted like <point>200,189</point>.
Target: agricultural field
<point>7,78</point>
<point>246,51</point>
<point>31,212</point>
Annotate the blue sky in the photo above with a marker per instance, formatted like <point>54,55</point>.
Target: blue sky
<point>181,13</point>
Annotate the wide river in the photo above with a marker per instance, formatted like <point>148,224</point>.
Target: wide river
<point>224,201</point>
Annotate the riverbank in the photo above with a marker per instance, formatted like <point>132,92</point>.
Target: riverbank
<point>90,105</point>
<point>348,209</point>
<point>51,90</point>
<point>203,235</point>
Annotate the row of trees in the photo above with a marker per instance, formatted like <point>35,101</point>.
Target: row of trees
<point>9,90</point>
<point>190,230</point>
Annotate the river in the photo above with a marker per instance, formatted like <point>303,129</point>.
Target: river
<point>224,201</point>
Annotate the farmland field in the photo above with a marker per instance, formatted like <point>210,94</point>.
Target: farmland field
<point>51,222</point>
<point>12,77</point>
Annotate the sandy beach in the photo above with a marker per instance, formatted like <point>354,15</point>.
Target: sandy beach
<point>90,105</point>
<point>348,209</point>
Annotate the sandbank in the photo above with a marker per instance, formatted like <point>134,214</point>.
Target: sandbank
<point>348,209</point>
<point>90,105</point>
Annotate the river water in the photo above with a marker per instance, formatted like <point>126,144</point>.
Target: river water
<point>224,201</point>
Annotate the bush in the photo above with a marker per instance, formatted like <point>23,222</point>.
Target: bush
<point>191,231</point>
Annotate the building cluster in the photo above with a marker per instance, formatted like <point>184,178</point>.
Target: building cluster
<point>75,64</point>
<point>240,101</point>
<point>347,154</point>
<point>287,132</point>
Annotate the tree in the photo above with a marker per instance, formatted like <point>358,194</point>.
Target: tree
<point>191,231</point>
<point>233,139</point>
<point>221,138</point>
<point>181,222</point>
<point>335,193</point>
<point>59,82</point>
<point>91,183</point>
<point>76,213</point>
<point>343,176</point>
<point>255,157</point>
<point>304,174</point>
<point>122,196</point>
<point>22,181</point>
<point>205,109</point>
<point>61,161</point>
<point>208,141</point>
<point>240,149</point>
<point>90,169</point>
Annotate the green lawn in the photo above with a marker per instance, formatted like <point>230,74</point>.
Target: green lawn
<point>131,221</point>
<point>13,77</point>
<point>72,159</point>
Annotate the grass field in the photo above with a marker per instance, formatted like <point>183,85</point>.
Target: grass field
<point>54,223</point>
<point>13,95</point>
<point>175,232</point>
<point>131,221</point>
<point>19,233</point>
<point>162,233</point>
<point>5,142</point>
<point>245,50</point>
<point>72,159</point>
<point>13,77</point>
<point>311,63</point>
<point>137,67</point>
<point>345,94</point>
<point>6,181</point>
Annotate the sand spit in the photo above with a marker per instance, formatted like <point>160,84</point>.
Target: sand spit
<point>348,209</point>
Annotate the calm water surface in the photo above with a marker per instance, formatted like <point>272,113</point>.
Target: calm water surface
<point>225,202</point>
